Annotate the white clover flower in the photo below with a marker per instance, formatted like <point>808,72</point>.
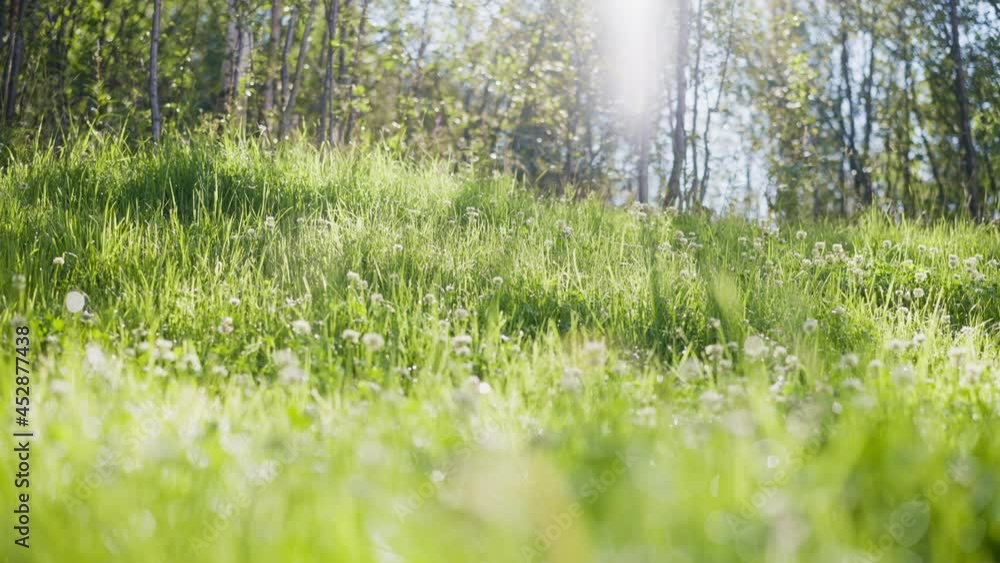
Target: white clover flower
<point>897,346</point>
<point>711,399</point>
<point>810,326</point>
<point>690,369</point>
<point>903,375</point>
<point>849,361</point>
<point>373,341</point>
<point>715,352</point>
<point>461,340</point>
<point>351,336</point>
<point>594,352</point>
<point>301,326</point>
<point>572,379</point>
<point>956,353</point>
<point>754,346</point>
<point>189,361</point>
<point>801,235</point>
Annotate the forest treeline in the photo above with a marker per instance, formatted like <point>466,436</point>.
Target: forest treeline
<point>807,107</point>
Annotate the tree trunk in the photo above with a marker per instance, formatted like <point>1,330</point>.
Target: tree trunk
<point>964,117</point>
<point>285,54</point>
<point>273,60</point>
<point>286,113</point>
<point>327,118</point>
<point>154,69</point>
<point>18,12</point>
<point>679,135</point>
<point>695,91</point>
<point>866,143</point>
<point>858,172</point>
<point>236,59</point>
<point>644,142</point>
<point>352,114</point>
<point>706,167</point>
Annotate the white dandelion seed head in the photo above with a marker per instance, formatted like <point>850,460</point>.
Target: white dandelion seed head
<point>810,326</point>
<point>351,336</point>
<point>58,261</point>
<point>801,235</point>
<point>75,301</point>
<point>373,341</point>
<point>301,326</point>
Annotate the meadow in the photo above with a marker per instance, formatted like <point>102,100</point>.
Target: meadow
<point>243,353</point>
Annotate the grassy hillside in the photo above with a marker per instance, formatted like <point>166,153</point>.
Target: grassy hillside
<point>304,357</point>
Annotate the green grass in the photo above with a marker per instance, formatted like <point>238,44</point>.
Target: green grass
<point>557,381</point>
